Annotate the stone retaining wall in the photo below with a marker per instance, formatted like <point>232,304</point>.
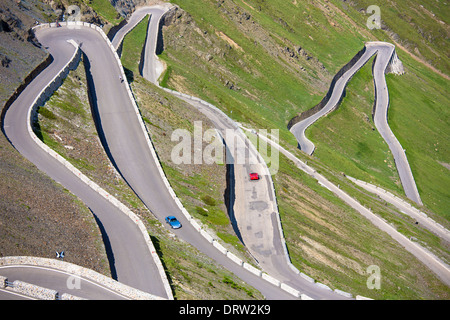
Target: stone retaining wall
<point>308,113</point>
<point>71,270</point>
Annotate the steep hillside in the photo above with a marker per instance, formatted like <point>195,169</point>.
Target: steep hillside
<point>37,215</point>
<point>273,60</point>
<point>263,62</point>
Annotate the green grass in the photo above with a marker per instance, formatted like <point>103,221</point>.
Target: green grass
<point>201,195</point>
<point>208,200</point>
<point>418,116</point>
<point>106,10</point>
<point>347,141</point>
<point>274,92</point>
<point>46,113</point>
<point>132,47</point>
<point>325,238</point>
<point>187,270</point>
<point>271,91</point>
<point>165,77</point>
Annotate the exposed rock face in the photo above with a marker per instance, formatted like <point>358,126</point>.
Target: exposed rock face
<point>66,10</point>
<point>20,52</point>
<point>395,65</point>
<point>126,7</point>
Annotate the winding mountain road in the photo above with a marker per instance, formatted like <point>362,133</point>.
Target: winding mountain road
<point>385,53</point>
<point>267,245</point>
<point>120,131</point>
<point>131,261</point>
<point>440,268</point>
<point>46,277</point>
<point>130,150</point>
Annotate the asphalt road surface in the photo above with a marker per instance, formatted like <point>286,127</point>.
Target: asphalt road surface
<point>254,208</point>
<point>384,52</point>
<point>130,259</point>
<point>126,144</point>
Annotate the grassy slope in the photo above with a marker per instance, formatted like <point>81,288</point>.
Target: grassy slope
<point>276,103</point>
<point>272,90</point>
<point>38,216</point>
<point>417,114</point>
<point>105,10</point>
<point>347,140</point>
<point>324,236</point>
<point>335,245</point>
<point>191,182</point>
<point>67,126</point>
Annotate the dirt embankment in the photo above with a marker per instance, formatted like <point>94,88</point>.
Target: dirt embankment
<point>37,216</point>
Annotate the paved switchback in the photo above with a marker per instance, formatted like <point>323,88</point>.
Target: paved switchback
<point>384,53</point>
<point>255,208</point>
<point>130,259</point>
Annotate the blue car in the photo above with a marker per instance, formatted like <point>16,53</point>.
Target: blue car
<point>174,223</point>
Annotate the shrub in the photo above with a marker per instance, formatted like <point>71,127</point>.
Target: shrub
<point>208,200</point>
<point>47,113</point>
<point>201,211</point>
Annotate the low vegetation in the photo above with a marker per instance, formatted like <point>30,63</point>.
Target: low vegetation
<point>71,132</point>
<point>262,62</point>
<point>261,65</point>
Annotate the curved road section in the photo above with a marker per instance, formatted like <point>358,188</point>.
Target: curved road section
<point>254,207</point>
<point>120,130</point>
<point>385,54</point>
<point>127,145</point>
<point>130,259</point>
<point>62,277</point>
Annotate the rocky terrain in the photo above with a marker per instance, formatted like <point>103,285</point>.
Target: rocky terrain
<point>37,215</point>
<point>19,50</point>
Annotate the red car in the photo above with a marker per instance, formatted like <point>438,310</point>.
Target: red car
<point>254,176</point>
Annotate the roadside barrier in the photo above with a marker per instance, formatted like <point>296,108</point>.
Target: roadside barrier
<point>230,255</point>
<point>44,94</point>
<point>203,230</point>
<point>71,269</point>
